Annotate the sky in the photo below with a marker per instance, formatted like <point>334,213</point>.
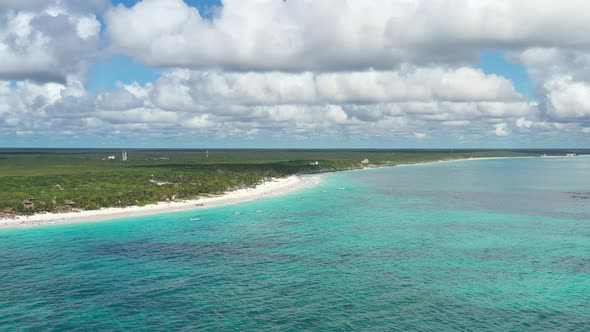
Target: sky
<point>295,73</point>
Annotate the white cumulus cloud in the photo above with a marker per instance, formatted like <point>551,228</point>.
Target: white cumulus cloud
<point>46,45</point>
<point>331,34</point>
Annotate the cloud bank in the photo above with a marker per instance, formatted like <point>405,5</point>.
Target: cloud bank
<point>340,35</point>
<point>307,71</point>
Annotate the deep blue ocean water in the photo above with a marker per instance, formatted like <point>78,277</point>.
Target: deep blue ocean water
<point>494,245</point>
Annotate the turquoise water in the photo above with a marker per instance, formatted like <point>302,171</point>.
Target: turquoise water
<point>491,245</point>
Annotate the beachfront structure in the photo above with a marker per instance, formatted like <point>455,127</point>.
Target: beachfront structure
<point>160,183</point>
<point>111,157</point>
<point>571,155</point>
<point>124,156</point>
<point>28,204</point>
<point>365,162</point>
<point>315,163</point>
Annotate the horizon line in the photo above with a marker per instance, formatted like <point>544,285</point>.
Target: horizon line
<point>293,148</point>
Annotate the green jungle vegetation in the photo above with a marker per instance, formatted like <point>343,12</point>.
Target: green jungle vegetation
<point>87,179</point>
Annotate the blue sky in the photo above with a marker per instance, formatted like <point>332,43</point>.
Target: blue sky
<point>271,73</point>
<point>199,4</point>
<point>202,5</point>
<point>495,62</point>
<point>105,75</point>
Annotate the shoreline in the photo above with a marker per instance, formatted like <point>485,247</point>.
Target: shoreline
<point>272,188</point>
<point>472,159</point>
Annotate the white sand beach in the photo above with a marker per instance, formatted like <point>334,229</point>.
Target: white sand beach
<point>473,159</point>
<point>274,187</point>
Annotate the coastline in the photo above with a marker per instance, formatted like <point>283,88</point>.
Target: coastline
<point>472,159</point>
<point>440,161</point>
<point>273,188</point>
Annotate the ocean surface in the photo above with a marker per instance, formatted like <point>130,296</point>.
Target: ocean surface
<point>488,245</point>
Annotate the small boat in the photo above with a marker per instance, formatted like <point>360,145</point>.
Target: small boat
<point>195,219</point>
<point>341,188</point>
<point>259,211</point>
<point>237,212</point>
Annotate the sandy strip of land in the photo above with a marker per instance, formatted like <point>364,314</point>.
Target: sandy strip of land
<point>473,159</point>
<point>274,187</point>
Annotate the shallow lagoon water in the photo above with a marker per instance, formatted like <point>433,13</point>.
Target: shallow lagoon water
<point>476,245</point>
